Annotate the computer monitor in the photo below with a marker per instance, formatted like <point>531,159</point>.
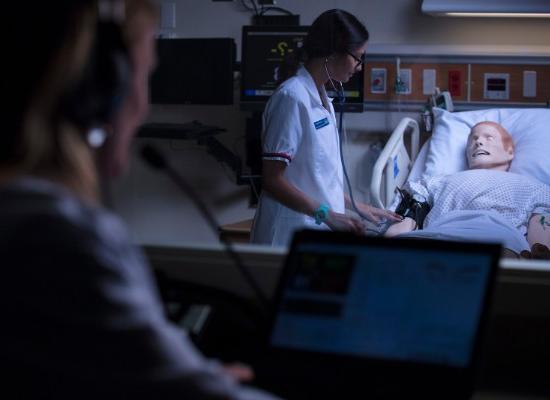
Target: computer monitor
<point>194,71</point>
<point>263,52</point>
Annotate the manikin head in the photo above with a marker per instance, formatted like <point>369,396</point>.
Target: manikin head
<point>339,40</point>
<point>489,146</point>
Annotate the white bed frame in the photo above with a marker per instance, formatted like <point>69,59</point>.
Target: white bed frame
<point>394,163</point>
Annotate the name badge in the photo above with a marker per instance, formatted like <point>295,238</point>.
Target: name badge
<point>321,123</point>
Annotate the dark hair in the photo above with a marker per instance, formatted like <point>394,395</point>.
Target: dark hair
<point>334,31</point>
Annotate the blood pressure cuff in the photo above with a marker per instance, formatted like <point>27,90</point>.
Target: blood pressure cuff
<point>412,208</point>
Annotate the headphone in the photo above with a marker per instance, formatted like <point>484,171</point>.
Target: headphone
<point>98,94</point>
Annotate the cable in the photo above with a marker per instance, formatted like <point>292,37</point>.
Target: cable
<point>253,8</point>
<point>246,6</point>
<point>155,159</point>
<point>341,100</point>
<point>253,185</point>
<point>279,9</point>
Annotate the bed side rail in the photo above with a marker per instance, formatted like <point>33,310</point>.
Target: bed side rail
<point>394,163</point>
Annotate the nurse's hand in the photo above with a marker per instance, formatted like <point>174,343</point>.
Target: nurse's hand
<point>377,215</point>
<point>343,222</point>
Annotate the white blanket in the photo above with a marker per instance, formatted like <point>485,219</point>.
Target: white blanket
<point>481,205</point>
<point>475,226</point>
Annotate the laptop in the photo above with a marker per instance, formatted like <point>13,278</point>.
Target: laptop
<point>385,318</point>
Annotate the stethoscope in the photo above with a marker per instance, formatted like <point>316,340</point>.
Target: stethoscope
<point>341,101</point>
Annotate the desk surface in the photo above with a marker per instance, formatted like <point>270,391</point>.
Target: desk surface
<point>237,232</point>
<point>238,227</point>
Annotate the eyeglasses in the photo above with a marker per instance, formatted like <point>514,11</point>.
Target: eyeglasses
<point>359,60</point>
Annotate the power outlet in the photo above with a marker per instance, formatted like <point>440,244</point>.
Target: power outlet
<point>428,81</point>
<point>529,83</point>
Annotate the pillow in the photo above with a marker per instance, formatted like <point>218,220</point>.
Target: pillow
<point>530,128</point>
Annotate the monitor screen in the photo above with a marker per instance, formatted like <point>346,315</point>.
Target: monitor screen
<point>391,303</point>
<point>193,71</point>
<point>263,52</point>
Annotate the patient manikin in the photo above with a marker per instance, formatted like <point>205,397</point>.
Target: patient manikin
<point>485,202</point>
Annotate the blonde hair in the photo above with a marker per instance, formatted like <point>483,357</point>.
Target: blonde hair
<point>43,142</point>
<point>48,146</point>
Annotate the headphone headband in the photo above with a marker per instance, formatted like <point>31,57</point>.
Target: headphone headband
<point>98,94</point>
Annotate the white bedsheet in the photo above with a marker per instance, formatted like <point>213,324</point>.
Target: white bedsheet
<point>482,205</point>
<point>474,226</point>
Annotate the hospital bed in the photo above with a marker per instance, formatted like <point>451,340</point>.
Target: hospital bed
<point>395,163</point>
<point>443,153</point>
<point>469,206</point>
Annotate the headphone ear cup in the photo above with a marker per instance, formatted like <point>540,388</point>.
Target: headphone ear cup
<point>104,83</point>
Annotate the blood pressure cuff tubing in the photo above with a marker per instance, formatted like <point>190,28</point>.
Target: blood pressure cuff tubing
<point>412,208</point>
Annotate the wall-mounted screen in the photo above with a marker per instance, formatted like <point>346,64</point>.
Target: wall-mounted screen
<point>194,71</point>
<point>263,51</point>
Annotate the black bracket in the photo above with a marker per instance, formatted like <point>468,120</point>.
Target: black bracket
<point>204,135</point>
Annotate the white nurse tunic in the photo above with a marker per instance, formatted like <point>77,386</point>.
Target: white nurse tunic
<point>299,131</point>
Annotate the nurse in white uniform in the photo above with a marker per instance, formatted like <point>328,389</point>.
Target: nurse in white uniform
<point>302,172</point>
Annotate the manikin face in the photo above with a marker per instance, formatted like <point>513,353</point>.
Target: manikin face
<point>485,149</point>
<point>342,67</point>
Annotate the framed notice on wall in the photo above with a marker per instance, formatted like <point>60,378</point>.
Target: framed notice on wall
<point>378,80</point>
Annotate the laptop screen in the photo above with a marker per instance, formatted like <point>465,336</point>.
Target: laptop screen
<point>392,302</point>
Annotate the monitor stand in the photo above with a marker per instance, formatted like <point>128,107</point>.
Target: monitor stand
<point>204,135</point>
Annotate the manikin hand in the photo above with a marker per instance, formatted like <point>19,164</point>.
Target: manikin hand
<point>538,252</point>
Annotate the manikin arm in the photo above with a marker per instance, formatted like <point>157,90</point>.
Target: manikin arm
<point>407,225</point>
